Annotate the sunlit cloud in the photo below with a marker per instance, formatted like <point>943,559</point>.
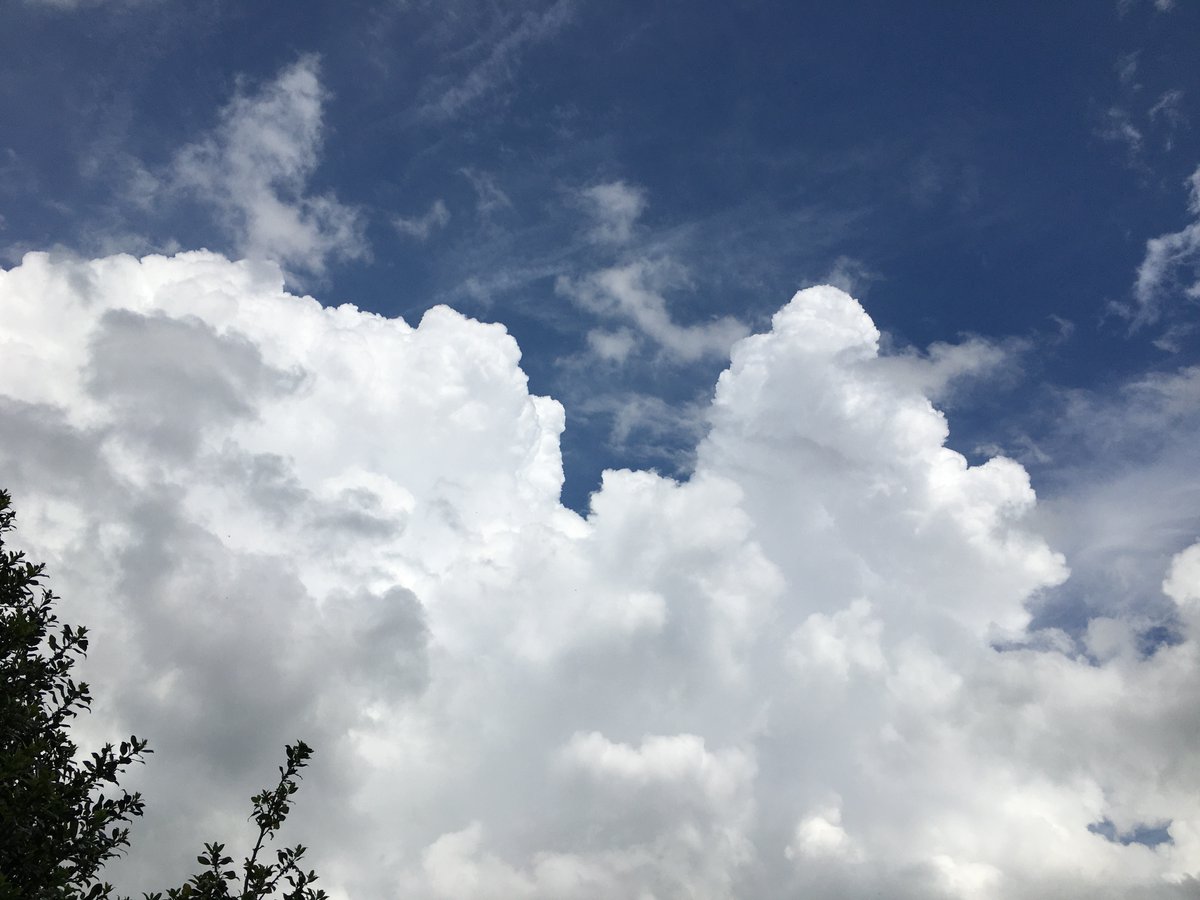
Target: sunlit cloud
<point>777,677</point>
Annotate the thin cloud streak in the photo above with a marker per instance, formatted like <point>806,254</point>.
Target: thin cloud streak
<point>501,59</point>
<point>421,227</point>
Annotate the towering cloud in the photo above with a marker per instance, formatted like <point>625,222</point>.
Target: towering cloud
<point>804,671</point>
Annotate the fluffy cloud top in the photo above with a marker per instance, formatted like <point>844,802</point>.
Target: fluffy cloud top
<point>778,678</point>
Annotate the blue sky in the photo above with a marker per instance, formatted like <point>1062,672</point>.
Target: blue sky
<point>994,171</point>
<point>632,190</point>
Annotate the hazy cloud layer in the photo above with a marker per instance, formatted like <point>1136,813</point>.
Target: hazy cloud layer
<point>779,678</point>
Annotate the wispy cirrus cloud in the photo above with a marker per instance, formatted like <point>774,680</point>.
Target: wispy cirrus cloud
<point>1169,272</point>
<point>1139,120</point>
<point>489,196</point>
<point>1168,112</point>
<point>493,61</point>
<point>421,227</point>
<point>1161,6</point>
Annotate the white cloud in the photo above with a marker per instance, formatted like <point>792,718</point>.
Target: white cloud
<point>1170,267</point>
<point>775,679</point>
<point>820,836</point>
<point>421,227</point>
<point>613,346</point>
<point>633,292</point>
<point>942,369</point>
<point>615,207</point>
<point>254,169</point>
<point>1167,111</point>
<point>1183,582</point>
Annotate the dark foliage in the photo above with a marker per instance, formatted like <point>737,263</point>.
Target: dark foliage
<point>58,826</point>
<point>218,881</point>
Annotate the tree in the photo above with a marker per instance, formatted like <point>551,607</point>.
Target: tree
<point>217,881</point>
<point>58,827</point>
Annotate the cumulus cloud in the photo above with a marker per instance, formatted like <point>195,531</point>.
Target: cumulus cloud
<point>777,678</point>
<point>421,227</point>
<point>614,207</point>
<point>254,169</point>
<point>634,292</point>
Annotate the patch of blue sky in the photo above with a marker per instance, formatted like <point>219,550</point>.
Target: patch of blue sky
<point>1147,835</point>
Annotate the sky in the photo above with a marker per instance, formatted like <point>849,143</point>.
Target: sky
<point>648,450</point>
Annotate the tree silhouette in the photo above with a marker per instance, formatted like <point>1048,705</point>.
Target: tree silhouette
<point>58,826</point>
<point>217,881</point>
